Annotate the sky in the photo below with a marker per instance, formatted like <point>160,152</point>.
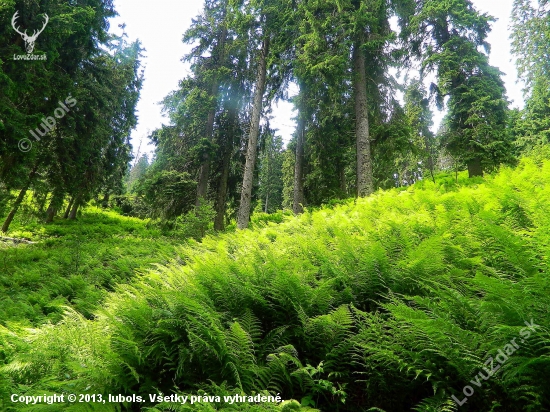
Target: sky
<point>160,26</point>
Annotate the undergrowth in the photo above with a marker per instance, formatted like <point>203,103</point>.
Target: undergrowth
<point>73,263</point>
<point>389,303</point>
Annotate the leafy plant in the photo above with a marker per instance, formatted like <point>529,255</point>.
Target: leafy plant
<point>399,299</point>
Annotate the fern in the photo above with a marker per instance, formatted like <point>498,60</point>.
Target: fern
<point>389,303</point>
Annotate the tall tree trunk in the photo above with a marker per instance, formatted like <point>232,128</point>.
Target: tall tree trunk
<point>55,203</point>
<point>248,178</point>
<point>50,213</point>
<point>221,198</point>
<point>342,178</point>
<point>69,207</point>
<point>42,203</point>
<point>222,191</point>
<point>364,161</point>
<point>204,172</point>
<point>298,198</point>
<point>19,199</point>
<point>475,168</point>
<point>231,135</point>
<point>431,167</point>
<point>74,210</point>
<point>430,158</point>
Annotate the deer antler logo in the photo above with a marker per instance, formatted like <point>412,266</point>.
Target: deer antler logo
<point>29,40</point>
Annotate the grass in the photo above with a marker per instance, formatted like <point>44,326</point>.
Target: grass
<point>74,263</point>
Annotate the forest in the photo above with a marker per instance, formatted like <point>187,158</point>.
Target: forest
<point>370,262</point>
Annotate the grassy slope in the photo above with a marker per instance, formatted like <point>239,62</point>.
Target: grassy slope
<point>391,302</point>
<point>73,263</point>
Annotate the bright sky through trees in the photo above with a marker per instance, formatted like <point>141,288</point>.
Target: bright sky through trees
<point>161,28</point>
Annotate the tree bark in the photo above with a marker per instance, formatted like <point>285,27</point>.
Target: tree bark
<point>42,203</point>
<point>69,207</point>
<point>221,198</point>
<point>342,178</point>
<point>74,210</point>
<point>429,158</point>
<point>50,213</point>
<point>475,168</point>
<point>248,178</point>
<point>19,199</point>
<point>298,198</point>
<point>364,161</point>
<point>219,224</point>
<point>55,203</point>
<point>204,172</point>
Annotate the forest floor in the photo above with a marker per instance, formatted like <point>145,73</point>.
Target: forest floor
<point>74,263</point>
<point>394,302</point>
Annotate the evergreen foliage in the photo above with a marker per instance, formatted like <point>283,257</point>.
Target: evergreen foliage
<point>531,45</point>
<point>395,300</point>
<point>447,38</point>
<point>96,74</point>
<point>270,173</point>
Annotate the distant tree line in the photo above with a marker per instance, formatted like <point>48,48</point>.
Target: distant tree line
<point>354,134</point>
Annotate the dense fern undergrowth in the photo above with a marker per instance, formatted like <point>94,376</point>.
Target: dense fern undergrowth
<point>389,303</point>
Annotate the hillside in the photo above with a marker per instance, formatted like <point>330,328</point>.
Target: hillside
<point>74,263</point>
<point>394,302</point>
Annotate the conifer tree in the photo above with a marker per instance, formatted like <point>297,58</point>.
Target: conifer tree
<point>419,114</point>
<point>269,20</point>
<point>531,45</point>
<point>447,36</point>
<point>33,95</point>
<point>212,31</point>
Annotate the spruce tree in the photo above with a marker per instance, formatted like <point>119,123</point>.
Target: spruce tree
<point>447,37</point>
